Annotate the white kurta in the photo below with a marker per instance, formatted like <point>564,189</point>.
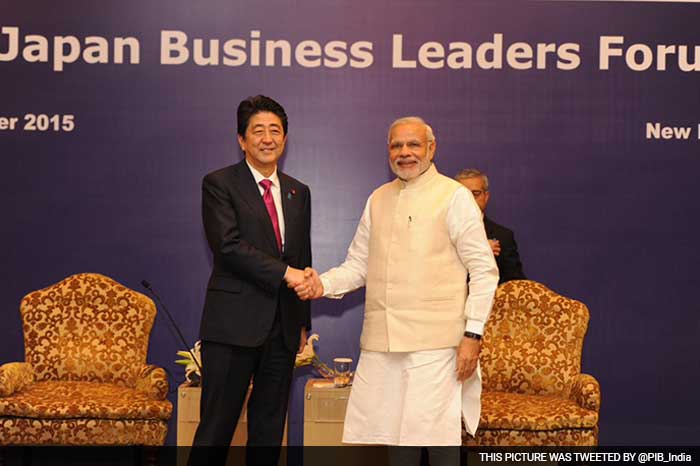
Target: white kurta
<point>410,399</point>
<point>396,398</point>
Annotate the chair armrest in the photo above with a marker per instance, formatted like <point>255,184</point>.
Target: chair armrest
<point>585,391</point>
<point>14,376</point>
<point>153,381</point>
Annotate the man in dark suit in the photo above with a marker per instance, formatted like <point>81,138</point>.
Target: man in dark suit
<point>501,239</point>
<point>257,222</point>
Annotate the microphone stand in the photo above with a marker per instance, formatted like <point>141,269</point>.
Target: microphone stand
<point>172,321</point>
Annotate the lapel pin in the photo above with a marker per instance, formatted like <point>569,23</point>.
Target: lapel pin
<point>291,193</point>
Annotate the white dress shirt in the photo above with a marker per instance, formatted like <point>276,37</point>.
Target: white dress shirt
<point>465,227</point>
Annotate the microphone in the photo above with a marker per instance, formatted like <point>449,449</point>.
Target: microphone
<point>172,321</point>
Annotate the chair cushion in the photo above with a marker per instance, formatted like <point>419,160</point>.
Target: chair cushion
<point>92,432</point>
<point>532,438</point>
<point>63,400</point>
<point>513,411</point>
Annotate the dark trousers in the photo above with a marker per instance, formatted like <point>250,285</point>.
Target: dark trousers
<point>226,373</point>
<point>411,456</point>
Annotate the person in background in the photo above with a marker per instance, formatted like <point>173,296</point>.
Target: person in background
<point>501,239</point>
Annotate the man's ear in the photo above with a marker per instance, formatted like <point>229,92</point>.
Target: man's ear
<point>241,142</point>
<point>431,149</point>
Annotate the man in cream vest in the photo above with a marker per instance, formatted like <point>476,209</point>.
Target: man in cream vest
<point>418,238</point>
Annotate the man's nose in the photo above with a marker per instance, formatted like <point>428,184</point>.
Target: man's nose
<point>267,136</point>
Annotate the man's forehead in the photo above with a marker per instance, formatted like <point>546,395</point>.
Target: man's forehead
<point>475,181</point>
<point>408,130</point>
<point>264,119</point>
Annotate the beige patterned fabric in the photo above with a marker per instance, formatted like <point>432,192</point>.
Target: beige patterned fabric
<point>14,376</point>
<point>86,340</point>
<point>87,328</point>
<point>61,400</point>
<point>153,381</point>
<point>535,438</point>
<point>534,392</point>
<point>585,391</point>
<point>533,412</point>
<point>85,431</point>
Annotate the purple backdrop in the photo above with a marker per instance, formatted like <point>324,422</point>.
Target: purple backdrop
<point>601,213</point>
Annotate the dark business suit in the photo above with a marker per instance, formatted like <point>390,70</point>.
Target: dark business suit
<point>251,321</point>
<point>508,261</point>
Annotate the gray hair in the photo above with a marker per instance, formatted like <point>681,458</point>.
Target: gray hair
<point>473,173</point>
<point>409,120</point>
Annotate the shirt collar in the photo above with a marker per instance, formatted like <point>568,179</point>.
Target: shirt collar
<point>259,177</point>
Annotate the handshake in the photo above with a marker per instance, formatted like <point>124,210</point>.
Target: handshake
<point>306,283</point>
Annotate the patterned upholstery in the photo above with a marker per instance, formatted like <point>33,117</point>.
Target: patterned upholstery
<point>534,392</point>
<point>14,376</point>
<point>85,380</point>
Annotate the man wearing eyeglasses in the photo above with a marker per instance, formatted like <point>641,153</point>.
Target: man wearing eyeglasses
<point>501,239</point>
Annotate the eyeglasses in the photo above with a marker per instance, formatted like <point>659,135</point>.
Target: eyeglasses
<point>477,192</point>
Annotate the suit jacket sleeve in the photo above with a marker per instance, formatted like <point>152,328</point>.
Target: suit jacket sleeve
<point>239,256</point>
<point>509,264</point>
<point>306,255</point>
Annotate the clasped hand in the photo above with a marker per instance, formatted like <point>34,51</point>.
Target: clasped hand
<point>495,247</point>
<point>306,283</point>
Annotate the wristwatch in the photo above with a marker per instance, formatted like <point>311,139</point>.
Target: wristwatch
<point>472,335</point>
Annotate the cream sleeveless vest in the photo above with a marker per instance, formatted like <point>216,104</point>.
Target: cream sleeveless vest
<point>416,282</point>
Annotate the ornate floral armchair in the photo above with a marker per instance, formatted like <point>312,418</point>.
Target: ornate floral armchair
<point>85,380</point>
<point>533,389</point>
